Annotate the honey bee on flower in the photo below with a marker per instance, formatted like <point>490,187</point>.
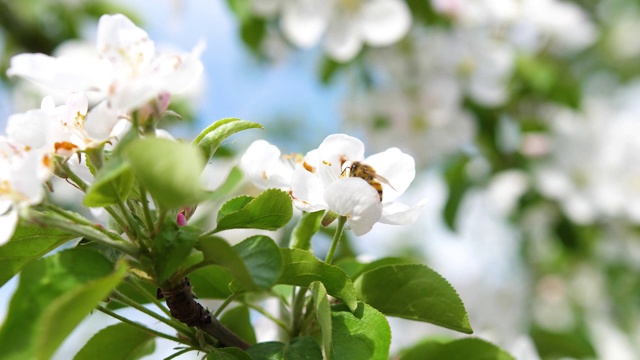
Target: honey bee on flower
<point>337,177</point>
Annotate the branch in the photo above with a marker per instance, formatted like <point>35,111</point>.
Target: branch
<point>183,307</point>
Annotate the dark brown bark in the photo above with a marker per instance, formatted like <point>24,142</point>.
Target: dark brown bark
<point>183,307</point>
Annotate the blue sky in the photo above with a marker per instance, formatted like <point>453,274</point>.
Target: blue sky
<point>237,85</point>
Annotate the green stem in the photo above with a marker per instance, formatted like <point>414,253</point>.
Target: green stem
<point>266,314</point>
<point>226,303</point>
<point>149,296</point>
<point>116,217</point>
<point>79,219</point>
<point>72,176</point>
<point>139,326</point>
<point>194,267</point>
<point>306,321</point>
<point>130,228</point>
<point>298,305</point>
<point>209,233</point>
<point>183,351</point>
<point>89,232</point>
<point>145,208</point>
<point>336,239</point>
<point>126,301</point>
<point>162,214</point>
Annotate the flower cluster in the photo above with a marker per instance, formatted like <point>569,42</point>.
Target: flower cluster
<point>126,75</point>
<point>421,94</point>
<point>590,170</point>
<point>343,25</point>
<point>326,179</point>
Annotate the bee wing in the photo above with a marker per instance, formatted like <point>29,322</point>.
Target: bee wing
<point>383,180</point>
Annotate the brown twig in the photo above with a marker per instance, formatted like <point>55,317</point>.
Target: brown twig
<point>183,307</point>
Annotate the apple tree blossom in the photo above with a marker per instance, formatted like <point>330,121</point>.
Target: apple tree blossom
<point>105,142</point>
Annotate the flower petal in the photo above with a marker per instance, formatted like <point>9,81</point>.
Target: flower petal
<point>77,103</point>
<point>384,22</point>
<point>343,40</point>
<point>264,167</point>
<point>401,214</point>
<point>357,200</point>
<point>100,122</point>
<point>8,223</point>
<point>397,167</point>
<point>304,21</point>
<point>28,176</point>
<point>31,128</point>
<point>126,46</point>
<point>307,191</point>
<point>65,73</point>
<point>333,152</point>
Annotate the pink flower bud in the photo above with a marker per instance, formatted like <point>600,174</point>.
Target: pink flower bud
<point>181,219</point>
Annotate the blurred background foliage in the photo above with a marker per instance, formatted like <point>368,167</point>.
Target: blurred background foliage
<point>524,114</point>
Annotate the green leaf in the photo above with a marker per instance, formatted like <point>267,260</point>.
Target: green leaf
<point>210,138</point>
<point>53,296</point>
<point>253,30</point>
<point>121,341</point>
<point>262,258</point>
<point>300,348</point>
<point>423,11</point>
<point>308,225</point>
<point>301,268</point>
<point>171,247</point>
<point>380,263</point>
<point>238,321</point>
<point>462,349</point>
<point>217,251</point>
<point>415,292</point>
<point>458,184</point>
<point>233,205</point>
<point>363,334</point>
<point>169,170</point>
<point>329,69</point>
<point>211,282</point>
<point>547,77</point>
<point>270,210</point>
<point>572,343</point>
<point>350,266</point>
<point>112,184</point>
<point>29,242</point>
<point>323,313</point>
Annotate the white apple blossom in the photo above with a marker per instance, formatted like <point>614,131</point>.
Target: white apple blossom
<point>590,170</point>
<point>127,71</point>
<point>344,26</point>
<point>530,25</point>
<point>23,171</point>
<point>64,129</point>
<point>430,123</point>
<point>265,166</point>
<point>322,184</point>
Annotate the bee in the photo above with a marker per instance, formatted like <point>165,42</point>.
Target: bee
<point>368,174</point>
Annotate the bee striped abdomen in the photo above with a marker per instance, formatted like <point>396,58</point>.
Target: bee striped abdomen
<point>368,174</point>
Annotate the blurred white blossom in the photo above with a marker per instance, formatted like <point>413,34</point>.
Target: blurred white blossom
<point>23,172</point>
<point>590,169</point>
<point>343,26</point>
<point>127,70</point>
